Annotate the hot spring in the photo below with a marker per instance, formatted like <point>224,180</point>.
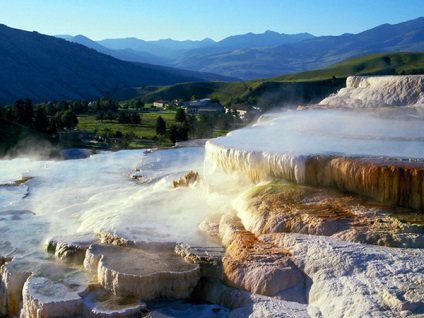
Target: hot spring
<point>292,199</point>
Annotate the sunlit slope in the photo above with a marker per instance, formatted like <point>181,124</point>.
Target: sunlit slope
<point>376,64</point>
<point>304,87</point>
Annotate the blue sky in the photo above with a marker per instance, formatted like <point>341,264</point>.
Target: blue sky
<point>199,19</point>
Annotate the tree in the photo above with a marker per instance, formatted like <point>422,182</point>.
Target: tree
<point>192,124</point>
<point>160,126</point>
<point>139,104</point>
<point>65,119</point>
<point>206,124</point>
<point>135,119</point>
<point>180,115</point>
<point>178,133</point>
<point>173,133</point>
<point>119,134</point>
<point>3,112</point>
<point>100,116</point>
<point>109,115</point>
<point>41,122</point>
<point>69,119</point>
<point>124,118</point>
<point>9,114</point>
<point>107,133</point>
<point>23,112</point>
<point>225,121</point>
<point>252,100</point>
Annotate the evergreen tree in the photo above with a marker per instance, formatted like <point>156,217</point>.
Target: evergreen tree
<point>139,104</point>
<point>135,119</point>
<point>41,122</point>
<point>173,133</point>
<point>23,112</point>
<point>192,124</point>
<point>178,133</point>
<point>160,126</point>
<point>180,115</point>
<point>124,118</point>
<point>100,116</point>
<point>109,115</point>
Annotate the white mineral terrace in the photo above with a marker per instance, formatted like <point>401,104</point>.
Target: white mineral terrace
<point>379,91</point>
<point>117,235</point>
<point>329,132</point>
<point>360,152</point>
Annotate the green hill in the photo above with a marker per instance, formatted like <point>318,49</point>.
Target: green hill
<point>291,89</point>
<point>375,64</point>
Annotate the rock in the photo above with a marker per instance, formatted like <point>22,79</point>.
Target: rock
<point>209,258</point>
<point>46,297</point>
<point>142,272</point>
<point>229,227</point>
<point>210,225</point>
<point>357,280</point>
<point>111,238</point>
<point>189,178</point>
<point>260,268</point>
<point>13,277</point>
<point>256,266</point>
<point>71,248</point>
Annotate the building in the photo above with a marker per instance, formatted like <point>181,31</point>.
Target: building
<point>178,102</point>
<point>244,111</point>
<point>203,105</point>
<point>160,103</point>
<point>200,102</point>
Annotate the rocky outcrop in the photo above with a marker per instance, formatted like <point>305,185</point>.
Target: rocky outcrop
<point>258,267</point>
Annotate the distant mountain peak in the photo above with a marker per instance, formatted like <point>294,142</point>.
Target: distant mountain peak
<point>57,69</point>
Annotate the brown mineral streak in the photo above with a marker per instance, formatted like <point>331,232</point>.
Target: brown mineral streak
<point>392,182</point>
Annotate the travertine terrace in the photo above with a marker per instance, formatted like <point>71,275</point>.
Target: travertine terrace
<point>309,213</point>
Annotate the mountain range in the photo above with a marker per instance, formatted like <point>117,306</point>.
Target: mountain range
<point>270,54</point>
<point>44,67</point>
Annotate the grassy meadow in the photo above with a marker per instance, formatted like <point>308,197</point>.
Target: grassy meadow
<point>147,127</point>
